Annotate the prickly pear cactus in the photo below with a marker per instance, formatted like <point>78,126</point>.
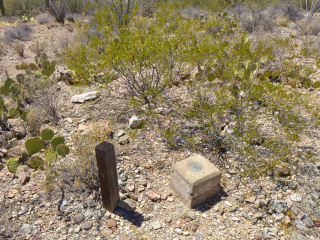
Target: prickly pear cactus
<point>13,164</point>
<point>46,134</point>
<point>314,85</point>
<point>36,162</point>
<point>57,141</point>
<point>62,150</point>
<point>306,82</point>
<point>34,145</point>
<point>13,113</point>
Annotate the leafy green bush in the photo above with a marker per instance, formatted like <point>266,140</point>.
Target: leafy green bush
<point>228,85</point>
<point>35,87</point>
<point>148,56</point>
<point>22,6</point>
<point>234,109</point>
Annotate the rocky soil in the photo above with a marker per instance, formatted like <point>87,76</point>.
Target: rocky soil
<point>245,208</point>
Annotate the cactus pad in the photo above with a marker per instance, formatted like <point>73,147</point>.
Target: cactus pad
<point>36,162</point>
<point>57,141</point>
<point>314,85</point>
<point>34,145</point>
<point>46,134</point>
<point>13,113</point>
<point>306,82</point>
<point>62,150</point>
<point>13,164</point>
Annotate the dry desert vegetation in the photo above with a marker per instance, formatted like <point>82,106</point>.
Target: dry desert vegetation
<point>234,81</point>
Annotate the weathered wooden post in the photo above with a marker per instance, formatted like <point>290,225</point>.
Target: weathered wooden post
<point>106,162</point>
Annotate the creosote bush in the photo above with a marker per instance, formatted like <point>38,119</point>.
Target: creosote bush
<point>233,88</point>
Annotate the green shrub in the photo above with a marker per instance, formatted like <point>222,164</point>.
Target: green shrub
<point>22,6</point>
<point>234,109</point>
<point>230,88</point>
<point>148,56</point>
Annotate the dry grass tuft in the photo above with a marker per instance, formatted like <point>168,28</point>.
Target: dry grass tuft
<point>19,48</point>
<point>82,170</point>
<point>52,24</point>
<point>44,18</point>
<point>33,122</point>
<point>21,32</point>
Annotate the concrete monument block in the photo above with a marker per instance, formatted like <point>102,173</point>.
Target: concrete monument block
<point>194,180</point>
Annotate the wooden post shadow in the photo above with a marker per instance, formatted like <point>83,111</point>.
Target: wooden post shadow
<point>106,162</point>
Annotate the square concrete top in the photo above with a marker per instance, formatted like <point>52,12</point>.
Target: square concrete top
<point>208,170</point>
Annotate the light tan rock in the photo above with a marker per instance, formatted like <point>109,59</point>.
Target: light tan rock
<point>194,180</point>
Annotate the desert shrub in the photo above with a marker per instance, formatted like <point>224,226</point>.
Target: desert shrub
<point>2,50</point>
<point>82,170</point>
<point>207,5</point>
<point>233,107</point>
<point>291,12</point>
<point>35,87</point>
<point>43,18</point>
<point>148,8</point>
<point>256,21</point>
<point>76,6</point>
<point>52,24</point>
<point>19,48</point>
<point>22,6</point>
<point>38,48</point>
<point>235,96</point>
<point>58,9</point>
<point>118,13</point>
<point>309,28</point>
<point>33,122</point>
<point>22,32</point>
<point>145,58</point>
<point>190,12</point>
<point>44,94</point>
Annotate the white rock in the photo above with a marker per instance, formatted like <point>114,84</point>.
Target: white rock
<point>135,121</point>
<point>25,229</point>
<point>80,98</point>
<point>296,198</point>
<point>120,133</point>
<point>77,229</point>
<point>156,225</point>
